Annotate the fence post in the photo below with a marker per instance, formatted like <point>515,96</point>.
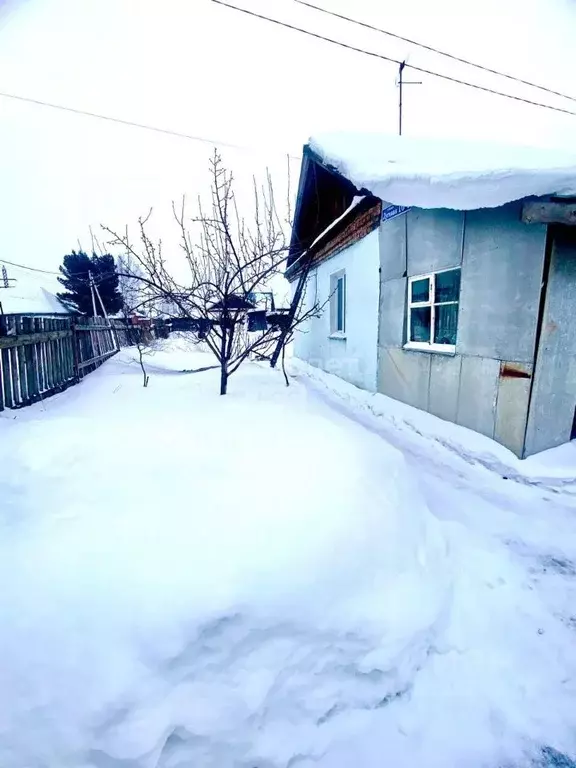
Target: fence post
<point>21,365</point>
<point>14,364</point>
<point>30,374</point>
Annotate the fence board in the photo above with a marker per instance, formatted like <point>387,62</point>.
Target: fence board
<point>29,370</point>
<point>1,386</point>
<point>11,330</point>
<point>22,365</point>
<point>5,363</point>
<point>39,352</point>
<point>5,370</point>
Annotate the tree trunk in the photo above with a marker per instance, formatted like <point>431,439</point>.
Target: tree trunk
<point>223,364</point>
<point>284,365</point>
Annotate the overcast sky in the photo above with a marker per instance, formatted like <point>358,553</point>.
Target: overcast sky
<point>196,67</point>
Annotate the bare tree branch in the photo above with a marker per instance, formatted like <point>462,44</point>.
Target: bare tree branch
<point>231,260</point>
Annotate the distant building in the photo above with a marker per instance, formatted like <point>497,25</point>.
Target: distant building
<point>450,274</point>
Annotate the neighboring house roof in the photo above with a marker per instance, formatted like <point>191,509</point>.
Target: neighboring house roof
<point>443,173</point>
<point>40,302</point>
<point>28,294</point>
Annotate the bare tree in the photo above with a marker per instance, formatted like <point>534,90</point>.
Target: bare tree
<point>141,347</point>
<point>231,261</point>
<point>134,298</point>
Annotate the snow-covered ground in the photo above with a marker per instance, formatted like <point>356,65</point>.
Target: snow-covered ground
<point>310,576</point>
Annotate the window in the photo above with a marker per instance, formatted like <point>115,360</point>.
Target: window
<point>433,309</point>
<point>338,303</point>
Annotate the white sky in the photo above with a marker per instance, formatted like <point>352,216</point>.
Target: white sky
<point>199,68</point>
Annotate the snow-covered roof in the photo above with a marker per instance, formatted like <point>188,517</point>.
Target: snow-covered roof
<point>40,302</point>
<point>31,292</point>
<point>442,173</point>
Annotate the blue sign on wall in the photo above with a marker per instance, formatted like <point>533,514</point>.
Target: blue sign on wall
<point>391,211</point>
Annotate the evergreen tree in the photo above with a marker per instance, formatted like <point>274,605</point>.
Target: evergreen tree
<point>76,271</point>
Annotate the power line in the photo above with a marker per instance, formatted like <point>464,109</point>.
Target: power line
<point>32,269</point>
<point>57,274</point>
<point>394,61</point>
<point>435,50</point>
<point>134,124</point>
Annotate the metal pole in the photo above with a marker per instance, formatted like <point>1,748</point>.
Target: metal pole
<point>400,84</point>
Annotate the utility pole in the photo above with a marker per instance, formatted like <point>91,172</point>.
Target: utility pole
<point>401,84</point>
<point>92,294</point>
<point>108,323</point>
<point>5,277</point>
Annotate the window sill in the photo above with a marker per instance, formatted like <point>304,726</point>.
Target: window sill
<point>437,349</point>
<point>338,335</point>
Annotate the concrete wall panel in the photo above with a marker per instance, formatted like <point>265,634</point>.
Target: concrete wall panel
<point>392,312</point>
<point>393,247</point>
<point>444,386</point>
<point>478,391</point>
<point>404,376</point>
<point>501,281</point>
<point>512,406</point>
<point>554,394</point>
<point>434,240</point>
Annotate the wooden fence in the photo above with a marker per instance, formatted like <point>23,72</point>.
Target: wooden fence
<point>41,356</point>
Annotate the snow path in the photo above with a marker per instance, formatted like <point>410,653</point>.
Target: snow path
<point>129,641</point>
<point>514,540</point>
<point>534,525</point>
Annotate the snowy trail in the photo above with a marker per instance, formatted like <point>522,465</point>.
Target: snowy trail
<point>159,611</point>
<point>513,538</point>
<point>536,527</point>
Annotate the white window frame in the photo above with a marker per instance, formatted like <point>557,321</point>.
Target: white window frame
<point>429,346</point>
<point>335,278</point>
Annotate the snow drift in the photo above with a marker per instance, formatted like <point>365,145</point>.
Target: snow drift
<point>212,583</point>
<point>446,173</point>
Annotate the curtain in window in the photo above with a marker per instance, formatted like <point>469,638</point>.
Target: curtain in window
<point>445,323</point>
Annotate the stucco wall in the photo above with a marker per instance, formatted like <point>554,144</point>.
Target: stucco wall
<point>354,357</point>
<point>502,261</point>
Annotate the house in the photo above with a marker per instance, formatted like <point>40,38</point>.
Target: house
<point>450,274</point>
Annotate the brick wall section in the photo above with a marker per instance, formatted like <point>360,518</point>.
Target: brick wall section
<point>362,221</point>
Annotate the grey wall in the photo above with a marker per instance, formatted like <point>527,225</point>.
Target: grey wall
<point>554,393</point>
<point>502,261</point>
<point>501,278</point>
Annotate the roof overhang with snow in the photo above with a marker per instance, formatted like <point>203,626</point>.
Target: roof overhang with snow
<point>443,173</point>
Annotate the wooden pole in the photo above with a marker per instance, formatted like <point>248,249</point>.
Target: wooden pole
<point>92,294</point>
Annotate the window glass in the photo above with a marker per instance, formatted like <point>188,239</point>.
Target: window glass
<point>445,323</point>
<point>340,304</point>
<point>420,290</point>
<point>447,286</point>
<point>420,318</point>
